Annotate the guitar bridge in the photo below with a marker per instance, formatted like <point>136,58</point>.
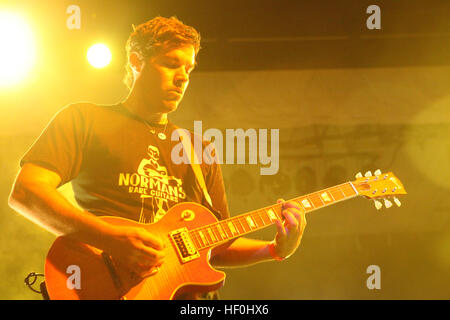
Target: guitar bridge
<point>185,247</point>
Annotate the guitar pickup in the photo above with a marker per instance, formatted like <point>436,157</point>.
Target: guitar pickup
<point>185,247</point>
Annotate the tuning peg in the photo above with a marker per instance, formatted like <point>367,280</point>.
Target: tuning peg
<point>378,204</point>
<point>387,203</point>
<point>358,175</point>
<point>377,172</point>
<point>397,202</point>
<point>368,174</point>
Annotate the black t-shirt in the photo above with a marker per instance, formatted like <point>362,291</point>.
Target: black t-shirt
<point>119,165</point>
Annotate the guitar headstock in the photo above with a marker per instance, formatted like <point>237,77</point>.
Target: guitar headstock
<point>379,186</point>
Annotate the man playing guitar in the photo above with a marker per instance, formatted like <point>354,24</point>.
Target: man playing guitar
<point>100,149</point>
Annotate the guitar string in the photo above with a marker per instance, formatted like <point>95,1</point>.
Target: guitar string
<point>276,206</point>
<point>241,219</point>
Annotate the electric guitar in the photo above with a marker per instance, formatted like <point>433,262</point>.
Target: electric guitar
<point>74,270</point>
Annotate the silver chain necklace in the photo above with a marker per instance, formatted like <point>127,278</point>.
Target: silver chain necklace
<point>160,135</point>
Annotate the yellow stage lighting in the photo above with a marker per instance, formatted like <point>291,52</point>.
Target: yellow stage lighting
<point>17,52</point>
<point>99,55</point>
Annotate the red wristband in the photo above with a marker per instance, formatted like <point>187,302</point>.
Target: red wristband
<point>273,253</point>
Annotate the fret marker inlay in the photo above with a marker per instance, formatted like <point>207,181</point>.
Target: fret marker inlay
<point>232,228</point>
<point>202,236</point>
<point>325,197</point>
<point>250,222</point>
<point>306,203</point>
<point>211,234</point>
<point>272,215</point>
<point>222,233</point>
<point>219,232</point>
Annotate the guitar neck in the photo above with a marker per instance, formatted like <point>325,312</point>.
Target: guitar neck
<point>224,230</point>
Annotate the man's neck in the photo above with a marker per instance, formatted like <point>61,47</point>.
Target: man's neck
<point>135,106</point>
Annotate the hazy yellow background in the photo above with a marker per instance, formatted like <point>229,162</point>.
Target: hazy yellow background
<point>333,123</point>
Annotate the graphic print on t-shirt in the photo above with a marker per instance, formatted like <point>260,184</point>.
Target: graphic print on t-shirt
<point>153,183</point>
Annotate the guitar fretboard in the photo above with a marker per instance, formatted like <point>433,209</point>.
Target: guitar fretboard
<point>222,231</point>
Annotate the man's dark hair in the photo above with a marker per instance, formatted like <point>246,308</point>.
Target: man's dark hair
<point>157,35</point>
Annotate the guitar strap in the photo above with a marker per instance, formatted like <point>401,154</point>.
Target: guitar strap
<point>189,148</point>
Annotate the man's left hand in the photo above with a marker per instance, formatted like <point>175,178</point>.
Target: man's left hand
<point>290,231</point>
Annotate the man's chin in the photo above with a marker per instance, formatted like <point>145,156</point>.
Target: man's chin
<point>170,106</point>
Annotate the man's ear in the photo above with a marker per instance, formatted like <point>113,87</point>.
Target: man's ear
<point>136,62</point>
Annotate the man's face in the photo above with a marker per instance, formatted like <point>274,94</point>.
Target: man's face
<point>165,78</point>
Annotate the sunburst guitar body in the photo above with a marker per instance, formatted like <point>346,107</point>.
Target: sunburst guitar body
<point>74,270</point>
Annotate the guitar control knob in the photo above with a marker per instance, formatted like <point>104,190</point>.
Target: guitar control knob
<point>368,174</point>
<point>358,175</point>
<point>377,172</point>
<point>187,215</point>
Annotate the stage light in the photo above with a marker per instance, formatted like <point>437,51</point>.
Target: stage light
<point>99,55</point>
<point>18,49</point>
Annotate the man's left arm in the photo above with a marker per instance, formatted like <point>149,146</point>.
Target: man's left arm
<point>245,251</point>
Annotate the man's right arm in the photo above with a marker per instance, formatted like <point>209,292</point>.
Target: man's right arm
<point>35,196</point>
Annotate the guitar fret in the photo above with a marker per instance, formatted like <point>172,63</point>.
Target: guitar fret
<point>259,220</point>
<point>272,215</point>
<point>256,217</point>
<point>326,197</point>
<point>240,229</point>
<point>336,195</point>
<point>222,233</point>
<point>310,201</point>
<point>245,224</point>
<point>227,229</point>
<point>306,204</point>
<point>194,239</point>
<point>232,227</point>
<point>313,199</point>
<point>251,222</point>
<point>211,235</point>
<point>300,204</point>
<point>260,216</point>
<point>216,233</point>
<point>263,215</point>
<point>200,240</point>
<point>203,237</point>
<point>320,198</point>
<point>240,224</point>
<point>208,235</point>
<point>350,190</point>
<point>341,191</point>
<point>200,245</point>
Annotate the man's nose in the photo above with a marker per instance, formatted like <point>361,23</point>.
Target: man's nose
<point>181,78</point>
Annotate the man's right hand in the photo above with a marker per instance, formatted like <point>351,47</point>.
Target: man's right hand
<point>135,248</point>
